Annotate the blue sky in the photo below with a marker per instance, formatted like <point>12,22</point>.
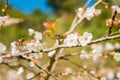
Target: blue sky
<point>27,6</point>
<point>91,2</point>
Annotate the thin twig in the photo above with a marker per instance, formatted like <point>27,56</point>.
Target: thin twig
<point>73,27</point>
<point>76,23</point>
<point>114,33</point>
<point>63,58</point>
<point>68,55</point>
<point>34,76</point>
<point>48,73</point>
<point>53,62</point>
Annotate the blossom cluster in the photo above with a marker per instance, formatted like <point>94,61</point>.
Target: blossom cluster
<point>89,13</point>
<point>31,46</point>
<point>103,74</point>
<point>97,51</point>
<point>116,21</point>
<point>73,39</point>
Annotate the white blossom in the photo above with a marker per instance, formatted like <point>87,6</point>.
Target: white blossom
<point>31,31</point>
<point>34,56</point>
<point>89,13</point>
<point>2,48</point>
<point>38,55</point>
<point>1,59</point>
<point>51,53</point>
<point>73,78</point>
<point>34,46</point>
<point>15,52</point>
<point>68,70</point>
<point>15,49</point>
<point>96,56</point>
<point>80,12</point>
<point>6,20</point>
<point>103,78</point>
<point>118,75</point>
<point>23,48</point>
<point>11,75</point>
<point>13,21</point>
<point>84,55</point>
<point>3,20</point>
<point>13,44</point>
<point>31,64</point>
<point>29,75</point>
<point>97,48</point>
<point>71,40</point>
<point>38,46</point>
<point>110,75</point>
<point>85,39</point>
<point>37,35</point>
<point>115,7</point>
<point>117,57</point>
<point>97,12</point>
<point>117,45</point>
<point>93,72</point>
<point>109,46</point>
<point>20,70</point>
<point>31,46</point>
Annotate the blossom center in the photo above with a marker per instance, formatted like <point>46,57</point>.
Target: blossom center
<point>71,40</point>
<point>86,38</point>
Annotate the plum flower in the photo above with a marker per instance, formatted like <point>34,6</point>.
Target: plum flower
<point>80,12</point>
<point>109,46</point>
<point>20,70</point>
<point>97,48</point>
<point>37,35</point>
<point>71,40</point>
<point>103,78</point>
<point>85,39</point>
<point>50,54</point>
<point>91,12</point>
<point>117,45</point>
<point>68,70</point>
<point>84,55</point>
<point>34,46</point>
<point>117,57</point>
<point>1,59</point>
<point>118,75</point>
<point>110,75</point>
<point>29,75</point>
<point>15,49</point>
<point>73,78</point>
<point>31,31</point>
<point>3,20</point>
<point>2,48</point>
<point>6,20</point>
<point>31,64</point>
<point>115,7</point>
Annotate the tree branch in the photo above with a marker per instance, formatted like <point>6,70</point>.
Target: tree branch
<point>64,46</point>
<point>113,18</point>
